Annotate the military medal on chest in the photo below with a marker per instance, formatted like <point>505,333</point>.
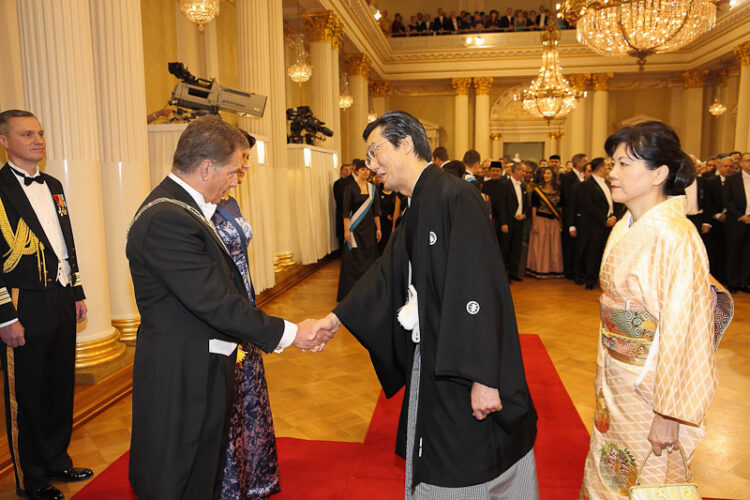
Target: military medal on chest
<point>62,207</point>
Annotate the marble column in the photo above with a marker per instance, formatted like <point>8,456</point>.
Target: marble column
<point>260,68</point>
<point>358,68</point>
<point>335,86</point>
<point>461,133</point>
<point>482,87</point>
<point>600,104</point>
<point>121,93</point>
<point>378,91</point>
<point>188,43</point>
<point>59,84</point>
<point>692,111</point>
<point>497,146</point>
<point>209,39</point>
<point>322,27</point>
<point>742,132</point>
<point>576,122</point>
<point>555,142</point>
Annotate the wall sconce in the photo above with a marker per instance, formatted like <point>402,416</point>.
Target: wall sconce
<point>308,157</point>
<point>260,147</point>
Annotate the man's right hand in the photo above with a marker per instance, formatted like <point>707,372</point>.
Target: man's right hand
<point>12,334</point>
<point>573,233</point>
<point>504,228</point>
<point>348,236</point>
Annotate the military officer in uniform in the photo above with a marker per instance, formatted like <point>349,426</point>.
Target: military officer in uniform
<point>41,300</point>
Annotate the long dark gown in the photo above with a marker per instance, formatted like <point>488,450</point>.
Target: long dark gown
<point>387,207</point>
<point>251,467</point>
<point>355,261</point>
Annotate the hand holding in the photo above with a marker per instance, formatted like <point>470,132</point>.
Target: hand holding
<point>306,334</point>
<point>573,233</point>
<point>484,400</point>
<point>664,434</point>
<point>610,221</point>
<point>12,334</point>
<point>326,328</point>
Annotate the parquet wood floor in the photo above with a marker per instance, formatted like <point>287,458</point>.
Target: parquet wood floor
<point>332,395</point>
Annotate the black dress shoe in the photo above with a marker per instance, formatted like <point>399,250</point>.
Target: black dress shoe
<point>71,475</point>
<point>516,278</point>
<point>589,287</point>
<point>745,289</point>
<point>45,493</point>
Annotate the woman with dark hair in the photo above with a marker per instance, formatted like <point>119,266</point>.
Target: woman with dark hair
<point>398,28</point>
<point>361,229</point>
<point>251,468</point>
<point>661,320</point>
<point>544,259</point>
<point>390,209</point>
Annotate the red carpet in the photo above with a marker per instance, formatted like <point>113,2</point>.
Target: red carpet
<point>370,470</point>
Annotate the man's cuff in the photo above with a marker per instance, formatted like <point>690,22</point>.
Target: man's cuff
<point>290,333</point>
<point>3,325</point>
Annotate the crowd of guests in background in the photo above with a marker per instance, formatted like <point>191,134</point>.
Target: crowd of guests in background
<point>552,220</point>
<point>466,22</point>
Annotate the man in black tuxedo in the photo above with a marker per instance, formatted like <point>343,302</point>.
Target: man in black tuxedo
<point>493,188</point>
<point>698,208</point>
<point>567,181</point>
<point>41,299</point>
<point>594,220</point>
<point>439,23</point>
<point>507,22</point>
<point>718,235</point>
<point>194,309</point>
<point>513,211</point>
<point>338,196</point>
<point>737,201</point>
<point>452,24</point>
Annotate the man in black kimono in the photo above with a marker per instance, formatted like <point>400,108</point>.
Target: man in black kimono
<point>194,309</point>
<point>467,424</point>
<point>41,300</point>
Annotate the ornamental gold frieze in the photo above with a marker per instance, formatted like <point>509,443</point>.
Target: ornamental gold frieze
<point>461,85</point>
<point>601,80</point>
<point>579,80</point>
<point>483,85</point>
<point>324,26</point>
<point>358,64</point>
<point>742,52</point>
<point>693,78</point>
<point>379,88</point>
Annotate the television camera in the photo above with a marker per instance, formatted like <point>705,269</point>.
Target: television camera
<point>304,127</point>
<point>208,97</point>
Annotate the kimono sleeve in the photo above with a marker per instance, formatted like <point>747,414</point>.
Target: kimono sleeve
<point>686,378</point>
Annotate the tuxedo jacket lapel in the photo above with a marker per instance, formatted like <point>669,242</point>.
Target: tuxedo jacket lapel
<point>22,205</point>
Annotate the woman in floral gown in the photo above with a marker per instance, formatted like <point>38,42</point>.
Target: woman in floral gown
<point>661,321</point>
<point>251,469</point>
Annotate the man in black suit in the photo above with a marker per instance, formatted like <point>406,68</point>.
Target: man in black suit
<point>507,22</point>
<point>194,309</point>
<point>41,299</point>
<point>338,196</point>
<point>567,181</point>
<point>712,167</point>
<point>718,234</point>
<point>452,24</point>
<point>513,211</point>
<point>698,209</point>
<point>474,176</point>
<point>737,201</point>
<point>493,188</point>
<point>594,220</point>
<point>439,23</point>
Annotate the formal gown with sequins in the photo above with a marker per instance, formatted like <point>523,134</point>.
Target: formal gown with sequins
<point>251,469</point>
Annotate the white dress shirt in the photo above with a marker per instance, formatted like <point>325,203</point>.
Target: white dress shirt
<point>215,345</point>
<point>580,178</point>
<point>607,194</point>
<point>519,195</point>
<point>691,193</point>
<point>746,182</point>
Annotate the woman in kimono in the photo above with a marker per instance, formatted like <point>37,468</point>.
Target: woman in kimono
<point>361,229</point>
<point>251,468</point>
<point>661,321</point>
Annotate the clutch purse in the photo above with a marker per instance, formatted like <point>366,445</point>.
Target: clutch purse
<point>676,491</point>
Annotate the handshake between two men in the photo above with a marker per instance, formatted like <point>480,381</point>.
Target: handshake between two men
<point>314,334</point>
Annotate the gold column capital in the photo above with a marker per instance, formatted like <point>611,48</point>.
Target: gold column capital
<point>601,80</point>
<point>722,77</point>
<point>556,135</point>
<point>693,78</point>
<point>742,52</point>
<point>324,26</point>
<point>483,85</point>
<point>380,88</point>
<point>358,64</point>
<point>495,136</point>
<point>579,80</point>
<point>461,85</point>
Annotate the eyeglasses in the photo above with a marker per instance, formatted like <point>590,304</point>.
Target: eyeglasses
<point>371,152</point>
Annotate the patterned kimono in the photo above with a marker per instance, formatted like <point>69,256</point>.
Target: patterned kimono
<point>661,320</point>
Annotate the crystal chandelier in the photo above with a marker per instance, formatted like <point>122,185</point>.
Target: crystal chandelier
<point>345,98</point>
<point>372,116</point>
<point>301,70</point>
<point>550,95</point>
<point>200,11</point>
<point>717,108</point>
<point>638,28</point>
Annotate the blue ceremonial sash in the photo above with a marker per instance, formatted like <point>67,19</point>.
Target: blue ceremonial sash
<point>469,177</point>
<point>244,241</point>
<point>360,214</point>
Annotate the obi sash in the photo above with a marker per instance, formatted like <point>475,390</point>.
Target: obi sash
<point>627,330</point>
<point>360,213</point>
